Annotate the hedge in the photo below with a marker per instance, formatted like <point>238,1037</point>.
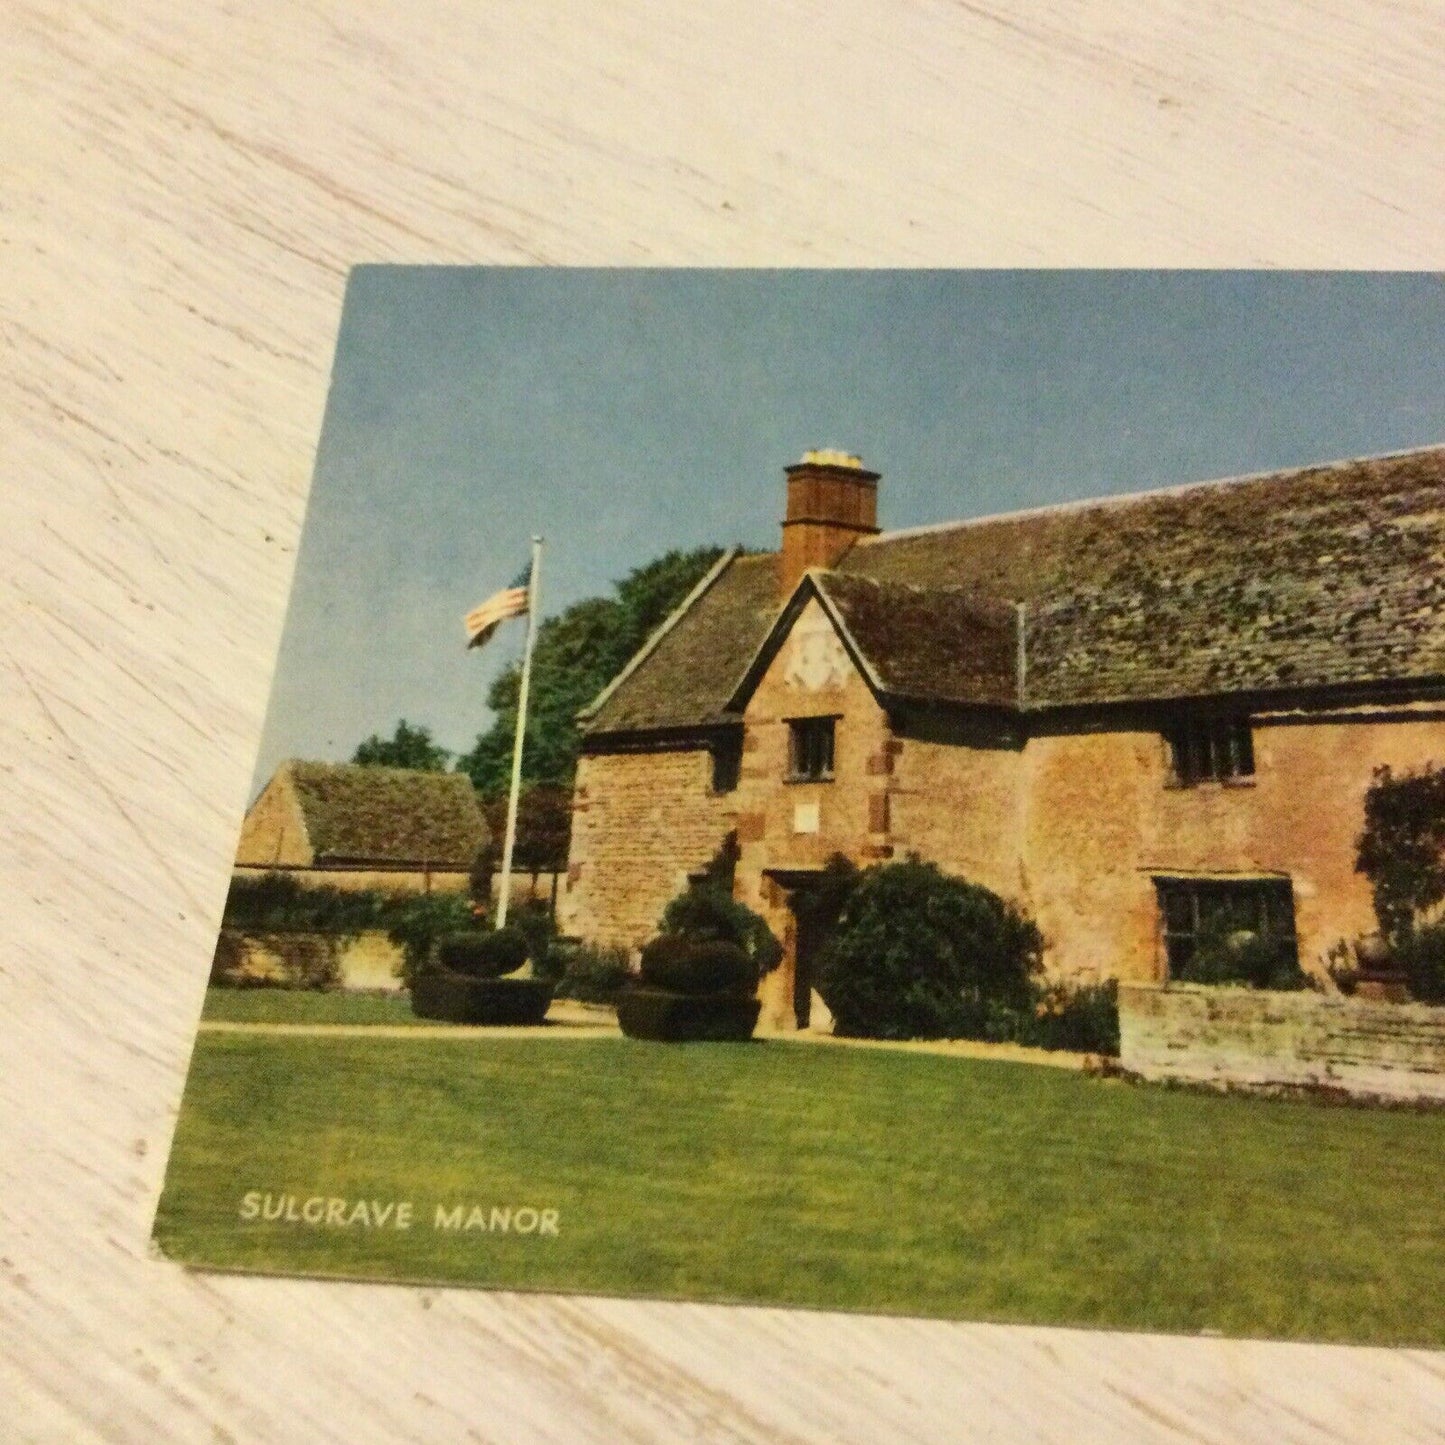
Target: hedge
<point>482,955</point>
<point>456,998</point>
<point>682,966</point>
<point>666,1017</point>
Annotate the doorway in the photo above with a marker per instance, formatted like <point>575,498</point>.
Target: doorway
<point>807,932</point>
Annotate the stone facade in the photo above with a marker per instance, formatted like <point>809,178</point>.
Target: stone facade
<point>641,823</point>
<point>1247,1039</point>
<point>1104,818</point>
<point>1073,823</point>
<point>787,826</point>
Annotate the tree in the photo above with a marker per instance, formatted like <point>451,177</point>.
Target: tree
<point>1402,848</point>
<point>408,747</point>
<point>577,653</point>
<point>544,830</point>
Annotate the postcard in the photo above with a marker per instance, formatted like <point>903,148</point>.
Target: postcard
<point>917,792</point>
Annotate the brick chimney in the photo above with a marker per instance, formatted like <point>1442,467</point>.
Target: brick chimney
<point>832,501</point>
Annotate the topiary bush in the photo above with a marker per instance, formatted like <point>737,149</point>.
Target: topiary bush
<point>682,966</point>
<point>461,999</point>
<point>705,913</point>
<point>667,1017</point>
<point>700,974</point>
<point>533,919</point>
<point>482,955</point>
<point>416,925</point>
<point>918,954</point>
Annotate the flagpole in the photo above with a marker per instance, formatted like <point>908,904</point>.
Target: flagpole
<point>533,591</point>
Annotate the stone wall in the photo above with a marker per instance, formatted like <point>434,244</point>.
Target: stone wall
<point>383,880</point>
<point>641,822</point>
<point>368,961</point>
<point>1104,817</point>
<point>1249,1038</point>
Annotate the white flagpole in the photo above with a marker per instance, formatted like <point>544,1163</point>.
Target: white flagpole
<point>533,591</point>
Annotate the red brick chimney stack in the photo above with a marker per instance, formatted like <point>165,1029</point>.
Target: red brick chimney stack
<point>832,501</point>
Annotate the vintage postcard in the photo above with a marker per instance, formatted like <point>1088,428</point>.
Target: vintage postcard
<point>905,791</point>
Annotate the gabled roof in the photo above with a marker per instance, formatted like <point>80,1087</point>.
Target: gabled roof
<point>355,814</point>
<point>1323,576</point>
<point>683,678</point>
<point>939,644</point>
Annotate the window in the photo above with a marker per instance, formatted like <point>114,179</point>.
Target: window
<point>810,753</point>
<point>727,761</point>
<point>1206,913</point>
<point>1211,750</point>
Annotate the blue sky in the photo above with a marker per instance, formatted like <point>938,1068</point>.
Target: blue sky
<point>624,412</point>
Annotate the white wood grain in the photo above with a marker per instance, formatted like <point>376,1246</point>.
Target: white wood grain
<point>183,189</point>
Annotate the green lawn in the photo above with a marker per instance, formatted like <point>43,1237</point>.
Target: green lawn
<point>843,1178</point>
<point>301,1006</point>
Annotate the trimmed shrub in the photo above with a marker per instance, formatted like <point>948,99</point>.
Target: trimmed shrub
<point>918,954</point>
<point>1084,1020</point>
<point>533,919</point>
<point>667,1017</point>
<point>705,913</point>
<point>682,966</point>
<point>416,923</point>
<point>458,999</point>
<point>592,974</point>
<point>1421,955</point>
<point>482,955</point>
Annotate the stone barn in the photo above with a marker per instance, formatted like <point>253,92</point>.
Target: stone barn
<point>1131,716</point>
<point>363,827</point>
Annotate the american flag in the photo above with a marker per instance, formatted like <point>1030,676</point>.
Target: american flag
<point>483,621</point>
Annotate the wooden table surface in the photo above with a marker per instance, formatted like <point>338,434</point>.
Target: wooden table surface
<point>183,190</point>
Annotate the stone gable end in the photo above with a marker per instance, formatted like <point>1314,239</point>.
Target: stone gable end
<point>274,831</point>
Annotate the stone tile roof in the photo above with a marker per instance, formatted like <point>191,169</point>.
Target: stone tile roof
<point>687,678</point>
<point>1321,576</point>
<point>1325,575</point>
<point>359,814</point>
<point>939,643</point>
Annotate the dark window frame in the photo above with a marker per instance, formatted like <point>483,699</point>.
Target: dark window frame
<point>727,762</point>
<point>1189,906</point>
<point>1210,750</point>
<point>812,746</point>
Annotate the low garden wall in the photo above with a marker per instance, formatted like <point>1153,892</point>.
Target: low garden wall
<point>1249,1038</point>
<point>366,961</point>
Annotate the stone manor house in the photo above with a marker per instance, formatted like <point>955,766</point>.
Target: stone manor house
<point>1132,716</point>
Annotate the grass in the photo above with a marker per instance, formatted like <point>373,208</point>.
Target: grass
<point>302,1006</point>
<point>841,1178</point>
